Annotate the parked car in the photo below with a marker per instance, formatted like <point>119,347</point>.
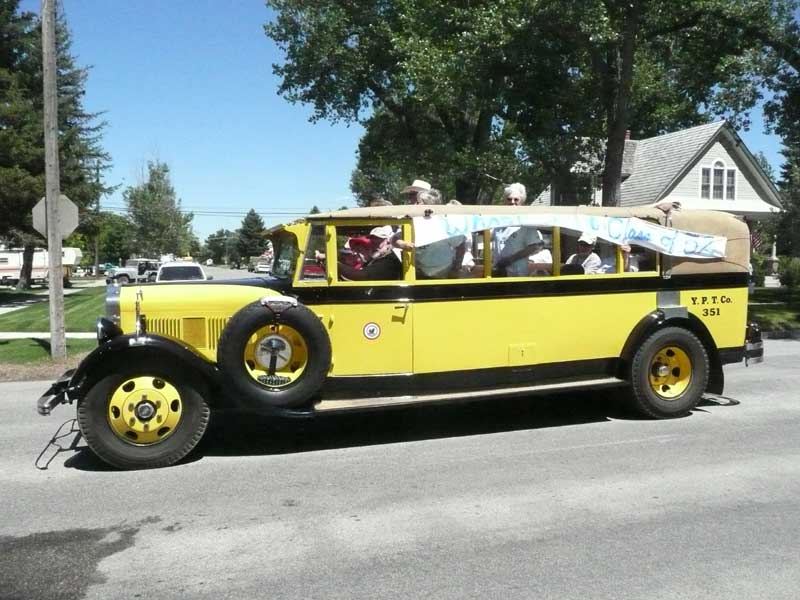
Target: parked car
<point>135,270</point>
<point>263,267</point>
<point>325,335</point>
<point>181,271</point>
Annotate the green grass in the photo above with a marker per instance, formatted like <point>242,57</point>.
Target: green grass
<point>80,313</point>
<point>775,309</point>
<point>32,351</point>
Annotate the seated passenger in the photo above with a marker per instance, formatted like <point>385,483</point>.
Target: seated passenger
<point>380,263</point>
<point>586,256</point>
<point>440,260</point>
<point>522,247</point>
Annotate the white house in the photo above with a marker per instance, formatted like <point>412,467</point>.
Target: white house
<point>707,167</point>
<point>703,167</point>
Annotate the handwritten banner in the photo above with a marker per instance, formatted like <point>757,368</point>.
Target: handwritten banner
<point>617,230</point>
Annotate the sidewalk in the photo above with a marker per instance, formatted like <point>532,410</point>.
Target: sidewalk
<point>45,335</point>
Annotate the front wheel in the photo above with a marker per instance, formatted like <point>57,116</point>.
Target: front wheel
<point>144,417</point>
<point>669,373</point>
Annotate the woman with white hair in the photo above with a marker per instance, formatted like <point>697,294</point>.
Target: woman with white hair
<point>513,247</point>
<point>515,194</point>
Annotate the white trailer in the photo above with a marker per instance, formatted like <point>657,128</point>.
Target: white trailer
<point>11,264</point>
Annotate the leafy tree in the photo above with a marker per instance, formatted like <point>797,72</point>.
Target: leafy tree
<point>116,238</point>
<point>22,133</point>
<point>219,245</point>
<point>520,89</point>
<point>252,240</point>
<point>154,209</point>
<point>314,210</point>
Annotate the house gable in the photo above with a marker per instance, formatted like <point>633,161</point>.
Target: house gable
<point>671,167</point>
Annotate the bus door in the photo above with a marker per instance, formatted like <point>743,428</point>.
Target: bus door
<point>369,320</point>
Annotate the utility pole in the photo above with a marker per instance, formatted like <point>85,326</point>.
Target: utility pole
<point>97,222</point>
<point>58,345</point>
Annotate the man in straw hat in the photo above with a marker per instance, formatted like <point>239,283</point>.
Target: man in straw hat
<point>412,191</point>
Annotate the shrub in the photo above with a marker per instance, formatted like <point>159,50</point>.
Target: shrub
<point>790,271</point>
<point>760,268</point>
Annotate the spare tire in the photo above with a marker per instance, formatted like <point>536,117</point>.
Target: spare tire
<point>275,357</point>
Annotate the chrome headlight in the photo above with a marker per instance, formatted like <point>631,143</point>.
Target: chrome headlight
<point>112,304</point>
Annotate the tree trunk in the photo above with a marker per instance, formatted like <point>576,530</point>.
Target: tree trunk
<point>472,189</point>
<point>24,282</point>
<point>619,109</point>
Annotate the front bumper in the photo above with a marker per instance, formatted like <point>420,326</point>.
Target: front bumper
<point>57,394</point>
<point>753,345</point>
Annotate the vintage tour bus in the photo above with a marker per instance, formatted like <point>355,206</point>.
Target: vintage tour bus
<point>394,305</point>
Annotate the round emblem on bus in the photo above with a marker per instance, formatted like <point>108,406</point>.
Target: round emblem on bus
<point>372,331</point>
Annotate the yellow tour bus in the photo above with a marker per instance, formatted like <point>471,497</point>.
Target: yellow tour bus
<point>394,305</point>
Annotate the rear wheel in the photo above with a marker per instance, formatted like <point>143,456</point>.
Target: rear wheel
<point>669,373</point>
<point>143,417</point>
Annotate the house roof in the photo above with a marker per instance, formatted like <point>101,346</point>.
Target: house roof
<point>660,162</point>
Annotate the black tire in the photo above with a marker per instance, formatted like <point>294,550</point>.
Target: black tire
<point>235,338</point>
<point>151,278</point>
<point>124,452</point>
<point>123,279</point>
<point>679,391</point>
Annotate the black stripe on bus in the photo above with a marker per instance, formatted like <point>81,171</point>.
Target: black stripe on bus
<point>467,380</point>
<point>497,289</point>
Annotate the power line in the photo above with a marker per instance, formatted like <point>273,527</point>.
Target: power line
<point>222,213</point>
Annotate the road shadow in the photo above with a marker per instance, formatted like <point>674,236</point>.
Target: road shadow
<point>252,435</point>
<point>247,435</point>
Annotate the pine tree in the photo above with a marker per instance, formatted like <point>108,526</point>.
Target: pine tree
<point>252,240</point>
<point>22,133</point>
<point>160,227</point>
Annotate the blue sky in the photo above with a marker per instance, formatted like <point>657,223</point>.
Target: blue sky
<point>190,82</point>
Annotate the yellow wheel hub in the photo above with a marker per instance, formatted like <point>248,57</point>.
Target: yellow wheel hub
<point>276,356</point>
<point>144,410</point>
<point>670,372</point>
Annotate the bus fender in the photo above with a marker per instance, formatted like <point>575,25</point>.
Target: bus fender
<point>657,319</point>
<point>103,359</point>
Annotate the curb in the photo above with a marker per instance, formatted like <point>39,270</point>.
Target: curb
<point>788,334</point>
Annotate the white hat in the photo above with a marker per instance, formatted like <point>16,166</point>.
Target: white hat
<point>588,238</point>
<point>418,185</point>
<point>384,232</point>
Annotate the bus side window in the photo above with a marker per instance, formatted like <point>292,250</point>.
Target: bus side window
<point>312,269</point>
<point>578,253</point>
<point>642,259</point>
<point>608,257</point>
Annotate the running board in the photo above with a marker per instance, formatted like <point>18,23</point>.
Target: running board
<point>362,403</point>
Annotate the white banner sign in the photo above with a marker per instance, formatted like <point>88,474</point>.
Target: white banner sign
<point>617,230</point>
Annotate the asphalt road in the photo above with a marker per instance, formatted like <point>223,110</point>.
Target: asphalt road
<point>562,497</point>
<point>224,272</point>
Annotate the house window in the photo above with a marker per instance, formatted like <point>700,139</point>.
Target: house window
<point>717,182</point>
<point>719,177</point>
<point>730,185</point>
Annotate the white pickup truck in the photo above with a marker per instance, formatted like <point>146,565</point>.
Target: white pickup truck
<point>135,270</point>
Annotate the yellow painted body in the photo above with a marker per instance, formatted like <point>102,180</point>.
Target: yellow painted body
<point>723,312</point>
